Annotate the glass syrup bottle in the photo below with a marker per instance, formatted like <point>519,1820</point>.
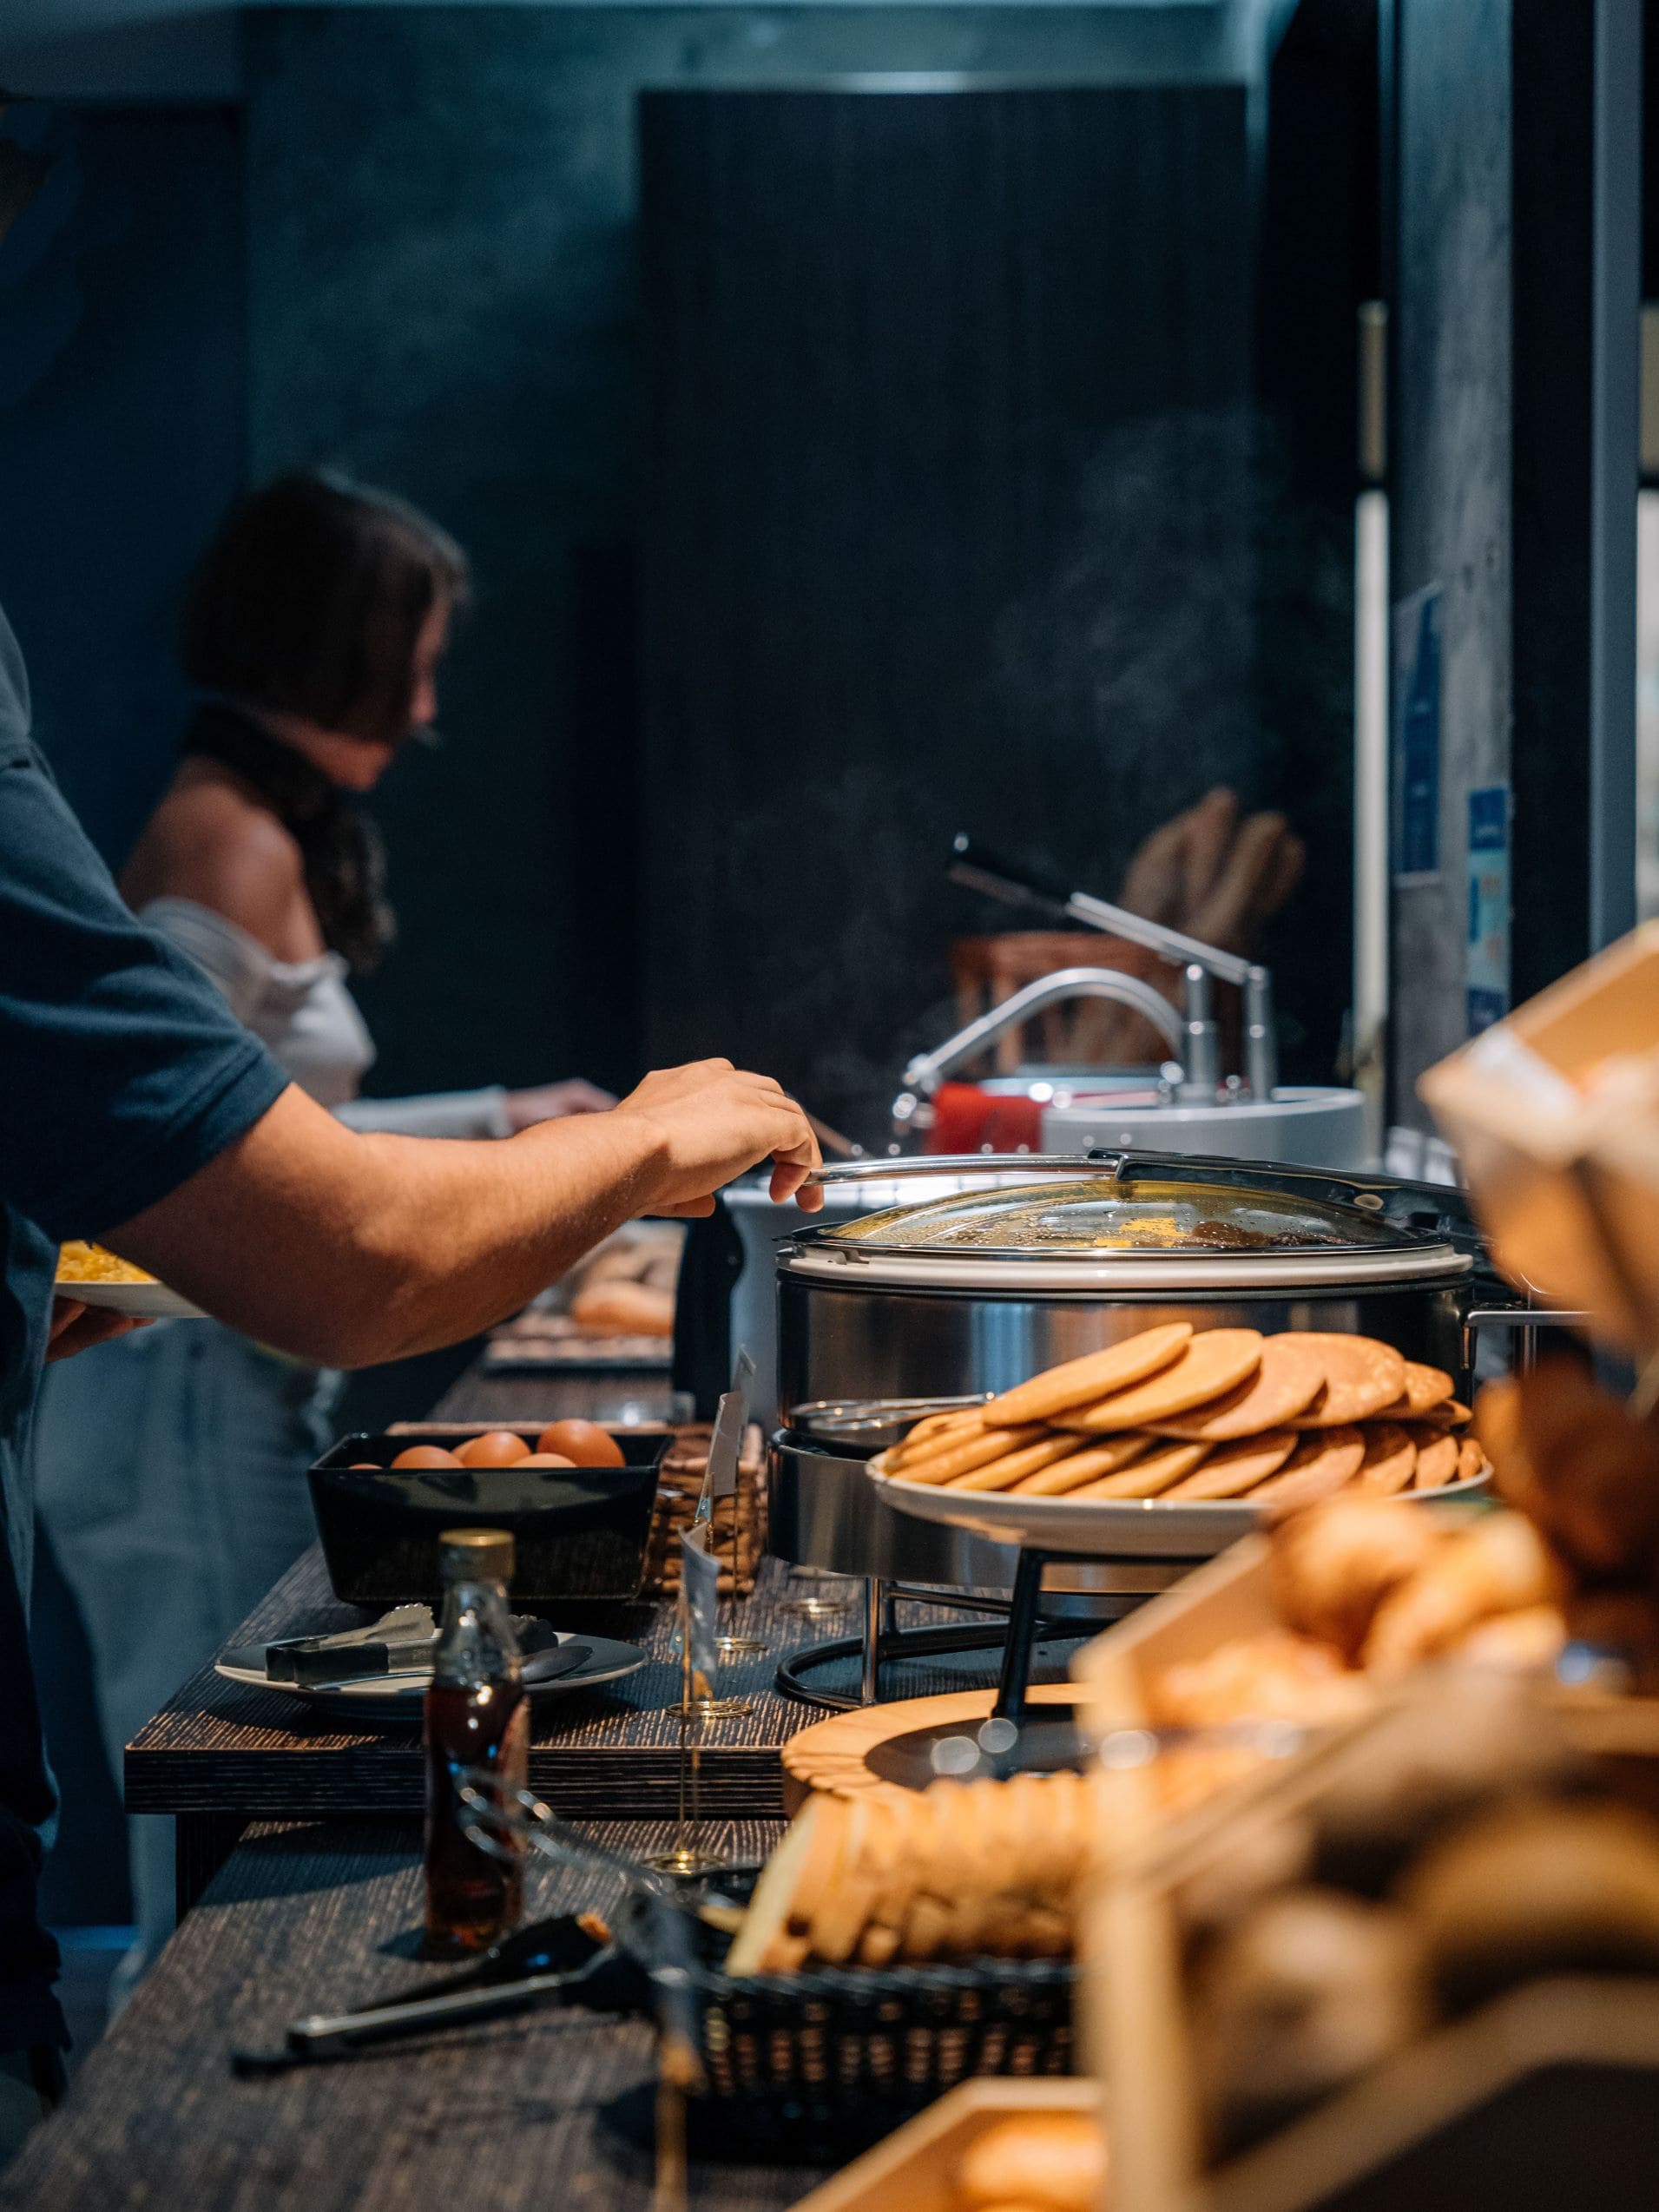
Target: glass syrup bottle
<point>477,1716</point>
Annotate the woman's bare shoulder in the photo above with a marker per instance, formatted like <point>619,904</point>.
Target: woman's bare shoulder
<point>210,842</point>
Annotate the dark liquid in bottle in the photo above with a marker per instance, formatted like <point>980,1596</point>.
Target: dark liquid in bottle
<point>472,1898</point>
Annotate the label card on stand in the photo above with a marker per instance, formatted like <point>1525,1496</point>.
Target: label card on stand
<point>699,1622</point>
<point>726,1447</point>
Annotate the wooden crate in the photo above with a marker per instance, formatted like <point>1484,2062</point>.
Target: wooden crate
<point>1231,1596</point>
<point>1131,2010</point>
<point>1567,1183</point>
<point>1425,2130</point>
<point>912,2170</point>
<point>1228,1597</point>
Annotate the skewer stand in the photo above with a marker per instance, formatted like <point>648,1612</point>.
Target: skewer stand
<point>1018,1625</point>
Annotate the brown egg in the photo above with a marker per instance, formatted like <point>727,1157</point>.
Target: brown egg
<point>365,1466</point>
<point>495,1448</point>
<point>586,1443</point>
<point>544,1459</point>
<point>425,1455</point>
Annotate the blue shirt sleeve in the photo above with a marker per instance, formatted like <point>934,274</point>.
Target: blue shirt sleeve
<point>122,1071</point>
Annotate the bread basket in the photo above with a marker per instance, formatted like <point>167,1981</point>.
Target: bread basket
<point>833,2054</point>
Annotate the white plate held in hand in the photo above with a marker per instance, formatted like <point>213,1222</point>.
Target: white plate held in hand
<point>140,1301</point>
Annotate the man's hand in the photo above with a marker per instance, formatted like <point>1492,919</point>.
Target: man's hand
<point>78,1327</point>
<point>713,1121</point>
<point>374,1247</point>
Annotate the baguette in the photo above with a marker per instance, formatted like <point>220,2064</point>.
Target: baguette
<point>808,1851</point>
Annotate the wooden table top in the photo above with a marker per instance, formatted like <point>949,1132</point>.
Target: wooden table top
<point>513,2114</point>
<point>217,1748</point>
<point>220,1748</point>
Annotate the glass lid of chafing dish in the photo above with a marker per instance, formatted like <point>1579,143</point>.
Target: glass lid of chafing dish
<point>1100,1215</point>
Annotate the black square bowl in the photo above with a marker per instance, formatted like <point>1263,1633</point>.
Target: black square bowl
<point>579,1533</point>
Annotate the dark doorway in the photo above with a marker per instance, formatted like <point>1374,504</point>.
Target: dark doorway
<point>960,514</point>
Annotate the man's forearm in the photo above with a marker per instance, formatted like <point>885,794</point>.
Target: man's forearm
<point>349,1249</point>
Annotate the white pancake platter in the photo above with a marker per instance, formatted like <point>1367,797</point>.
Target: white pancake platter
<point>1130,1528</point>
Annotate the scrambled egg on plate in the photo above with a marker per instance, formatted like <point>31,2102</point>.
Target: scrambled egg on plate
<point>78,1262</point>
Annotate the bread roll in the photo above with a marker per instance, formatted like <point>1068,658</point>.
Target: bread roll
<point>623,1309</point>
<point>1578,1462</point>
<point>1274,1677</point>
<point>1332,1565</point>
<point>1530,1641</point>
<point>1499,1564</point>
<point>1530,1890</point>
<point>1054,2160</point>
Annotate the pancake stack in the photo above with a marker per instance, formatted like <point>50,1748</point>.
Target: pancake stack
<point>1196,1417</point>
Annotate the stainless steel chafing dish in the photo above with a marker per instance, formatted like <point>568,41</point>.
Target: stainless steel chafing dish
<point>977,1291</point>
<point>971,1293</point>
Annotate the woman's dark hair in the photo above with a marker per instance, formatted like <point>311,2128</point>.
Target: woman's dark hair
<point>311,599</point>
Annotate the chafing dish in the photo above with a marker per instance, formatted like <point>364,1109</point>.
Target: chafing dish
<point>973,1292</point>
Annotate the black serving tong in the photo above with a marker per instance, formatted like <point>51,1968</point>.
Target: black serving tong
<point>557,1960</point>
<point>551,1960</point>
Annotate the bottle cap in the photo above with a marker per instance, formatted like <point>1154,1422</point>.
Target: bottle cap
<point>475,1555</point>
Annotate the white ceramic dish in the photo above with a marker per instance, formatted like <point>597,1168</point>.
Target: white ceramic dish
<point>142,1301</point>
<point>1130,1528</point>
<point>396,1699</point>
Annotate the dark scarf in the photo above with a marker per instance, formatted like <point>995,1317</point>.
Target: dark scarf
<point>344,857</point>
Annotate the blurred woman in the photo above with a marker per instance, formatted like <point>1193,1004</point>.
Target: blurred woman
<point>171,1468</point>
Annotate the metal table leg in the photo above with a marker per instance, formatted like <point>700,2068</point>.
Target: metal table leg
<point>870,1678</point>
<point>1022,1636</point>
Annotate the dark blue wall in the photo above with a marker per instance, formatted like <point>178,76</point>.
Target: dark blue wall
<point>422,225</point>
<point>441,294</point>
<point>121,412</point>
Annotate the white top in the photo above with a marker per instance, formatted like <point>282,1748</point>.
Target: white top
<point>304,1013</point>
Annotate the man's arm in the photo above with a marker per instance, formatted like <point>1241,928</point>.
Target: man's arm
<point>349,1249</point>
